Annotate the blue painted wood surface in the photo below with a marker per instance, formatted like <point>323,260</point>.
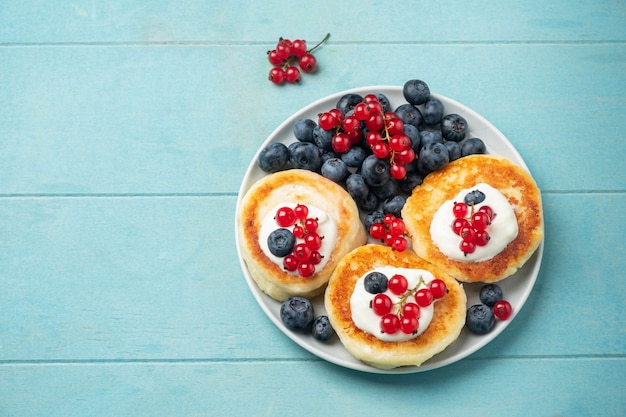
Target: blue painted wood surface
<point>125,131</point>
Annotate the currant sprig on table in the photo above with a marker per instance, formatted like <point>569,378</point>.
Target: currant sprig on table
<point>286,55</point>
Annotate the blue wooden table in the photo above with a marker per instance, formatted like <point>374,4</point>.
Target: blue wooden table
<point>125,132</point>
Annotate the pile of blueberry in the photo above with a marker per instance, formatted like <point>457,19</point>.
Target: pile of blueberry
<point>297,313</point>
<point>482,317</point>
<point>436,139</point>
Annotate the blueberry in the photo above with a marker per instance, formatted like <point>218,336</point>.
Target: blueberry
<point>322,329</point>
<point>304,155</point>
<point>354,156</point>
<point>454,150</point>
<point>356,187</point>
<point>375,282</point>
<point>303,130</point>
<point>430,136</point>
<point>326,155</point>
<point>348,101</point>
<point>387,190</point>
<point>433,111</point>
<point>480,319</point>
<point>453,127</point>
<point>474,197</point>
<point>374,217</point>
<point>490,293</point>
<point>416,92</point>
<point>368,203</point>
<point>394,205</point>
<point>375,171</point>
<point>323,138</point>
<point>281,242</point>
<point>414,134</point>
<point>273,157</point>
<point>384,101</point>
<point>412,180</point>
<point>335,170</point>
<point>432,157</point>
<point>410,115</point>
<point>297,312</point>
<point>473,146</point>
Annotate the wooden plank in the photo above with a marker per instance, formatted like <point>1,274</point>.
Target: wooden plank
<point>166,120</point>
<point>313,388</point>
<point>196,20</point>
<point>158,278</point>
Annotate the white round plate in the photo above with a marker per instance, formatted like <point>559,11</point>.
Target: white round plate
<point>516,287</point>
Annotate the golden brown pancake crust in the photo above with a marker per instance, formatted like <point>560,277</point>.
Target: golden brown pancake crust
<point>296,186</point>
<point>511,180</point>
<point>447,322</point>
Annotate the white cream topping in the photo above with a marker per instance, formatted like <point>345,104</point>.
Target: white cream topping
<point>502,230</point>
<point>327,229</point>
<point>364,317</point>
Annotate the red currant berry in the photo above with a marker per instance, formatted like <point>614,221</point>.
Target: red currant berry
<point>424,297</point>
<point>389,239</point>
<point>375,122</point>
<point>459,224</point>
<point>480,220</point>
<point>459,210</point>
<point>274,58</point>
<point>405,156</point>
<point>306,269</point>
<point>298,231</point>
<point>397,227</point>
<point>398,284</point>
<point>316,257</point>
<point>302,252</point>
<point>381,304</point>
<point>290,262</point>
<point>390,323</point>
<point>467,234</point>
<point>351,123</point>
<point>307,62</point>
<point>409,324</point>
<point>311,225</point>
<point>370,98</point>
<point>292,74</point>
<point>301,211</point>
<point>362,111</point>
<point>502,310</point>
<point>388,219</point>
<point>395,125</point>
<point>283,48</point>
<point>313,241</point>
<point>400,244</point>
<point>341,142</point>
<point>467,247</point>
<point>397,171</point>
<point>298,48</point>
<point>277,75</point>
<point>378,231</point>
<point>327,121</point>
<point>411,310</point>
<point>373,138</point>
<point>285,217</point>
<point>338,115</point>
<point>380,149</point>
<point>488,211</point>
<point>438,288</point>
<point>481,238</point>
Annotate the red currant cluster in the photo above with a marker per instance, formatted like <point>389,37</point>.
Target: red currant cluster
<point>409,305</point>
<point>305,255</point>
<point>471,225</point>
<point>385,133</point>
<point>285,56</point>
<point>391,231</point>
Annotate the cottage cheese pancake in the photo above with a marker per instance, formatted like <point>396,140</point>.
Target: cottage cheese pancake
<point>337,225</point>
<point>513,234</point>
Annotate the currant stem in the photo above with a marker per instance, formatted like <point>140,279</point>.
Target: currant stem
<point>409,293</point>
<point>319,44</point>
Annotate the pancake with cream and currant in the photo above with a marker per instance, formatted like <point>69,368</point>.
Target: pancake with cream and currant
<point>393,309</point>
<point>479,219</point>
<point>294,226</point>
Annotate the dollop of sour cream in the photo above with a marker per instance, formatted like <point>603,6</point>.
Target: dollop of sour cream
<point>364,317</point>
<point>327,229</point>
<point>502,230</point>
